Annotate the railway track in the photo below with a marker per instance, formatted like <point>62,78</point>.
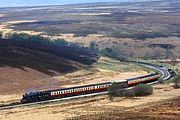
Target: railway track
<point>18,105</point>
<point>164,71</point>
<point>165,76</point>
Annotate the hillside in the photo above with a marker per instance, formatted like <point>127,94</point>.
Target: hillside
<point>32,61</point>
<point>16,81</point>
<point>41,54</point>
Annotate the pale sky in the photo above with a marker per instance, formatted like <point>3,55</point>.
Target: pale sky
<point>13,3</point>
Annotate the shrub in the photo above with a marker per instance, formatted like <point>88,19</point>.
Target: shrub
<point>143,90</point>
<point>113,53</point>
<point>128,93</point>
<point>176,81</point>
<point>117,89</point>
<point>176,85</point>
<point>140,90</point>
<point>114,89</point>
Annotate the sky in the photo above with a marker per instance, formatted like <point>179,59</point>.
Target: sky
<point>14,3</point>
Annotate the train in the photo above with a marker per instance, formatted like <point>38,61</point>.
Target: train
<point>173,74</point>
<point>38,96</point>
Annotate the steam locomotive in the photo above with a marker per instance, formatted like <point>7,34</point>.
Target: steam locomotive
<point>86,89</point>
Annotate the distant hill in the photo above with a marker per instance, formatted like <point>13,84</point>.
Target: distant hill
<point>149,30</point>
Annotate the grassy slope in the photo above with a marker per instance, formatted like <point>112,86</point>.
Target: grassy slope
<point>106,63</point>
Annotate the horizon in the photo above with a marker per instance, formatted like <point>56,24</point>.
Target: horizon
<point>22,3</point>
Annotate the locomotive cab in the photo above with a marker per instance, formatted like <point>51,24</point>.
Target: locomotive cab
<point>30,97</point>
<point>24,100</point>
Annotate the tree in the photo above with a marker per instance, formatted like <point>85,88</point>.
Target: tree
<point>117,89</point>
<point>18,37</point>
<point>147,55</point>
<point>176,81</point>
<point>114,89</point>
<point>60,41</point>
<point>113,53</point>
<point>156,54</point>
<point>169,54</point>
<point>173,61</point>
<point>94,46</point>
<point>37,39</point>
<point>1,35</point>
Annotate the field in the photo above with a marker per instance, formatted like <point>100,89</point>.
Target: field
<point>150,32</point>
<point>101,107</point>
<point>165,111</point>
